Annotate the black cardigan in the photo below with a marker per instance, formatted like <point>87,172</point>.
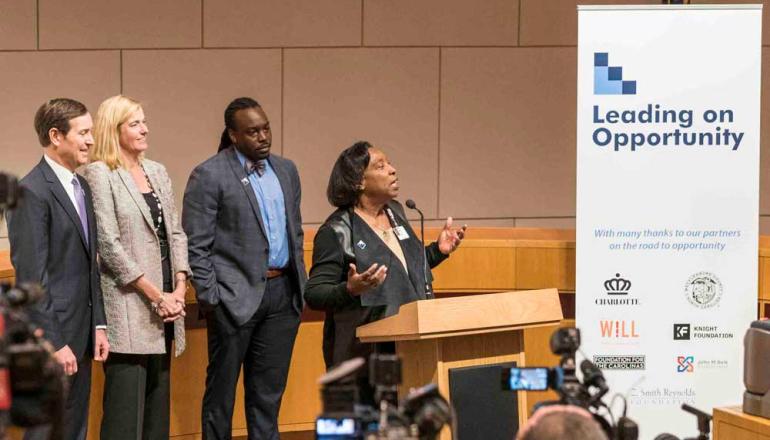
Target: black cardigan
<point>345,238</point>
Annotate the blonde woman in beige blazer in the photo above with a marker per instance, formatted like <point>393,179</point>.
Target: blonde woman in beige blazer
<point>144,271</point>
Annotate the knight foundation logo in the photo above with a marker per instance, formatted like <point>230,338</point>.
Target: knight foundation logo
<point>703,290</point>
<point>616,293</point>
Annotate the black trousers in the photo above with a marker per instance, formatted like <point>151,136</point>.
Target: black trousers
<point>75,417</point>
<point>263,347</point>
<point>137,394</point>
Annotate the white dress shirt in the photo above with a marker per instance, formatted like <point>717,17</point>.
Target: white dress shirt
<point>65,176</point>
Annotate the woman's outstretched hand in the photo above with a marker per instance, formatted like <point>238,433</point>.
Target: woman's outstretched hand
<point>369,279</point>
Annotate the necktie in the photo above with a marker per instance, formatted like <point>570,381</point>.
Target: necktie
<point>80,198</point>
<point>258,167</point>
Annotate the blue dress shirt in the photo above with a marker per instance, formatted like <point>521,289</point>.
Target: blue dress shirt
<point>268,191</point>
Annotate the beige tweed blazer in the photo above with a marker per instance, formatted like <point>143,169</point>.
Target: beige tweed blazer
<point>128,248</point>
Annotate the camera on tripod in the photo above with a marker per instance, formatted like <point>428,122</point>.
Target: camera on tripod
<point>347,416</point>
<point>563,379</point>
<point>587,394</point>
<point>32,385</point>
<point>31,382</point>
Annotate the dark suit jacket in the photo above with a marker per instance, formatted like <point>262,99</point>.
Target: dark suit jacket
<point>48,247</point>
<point>345,238</point>
<point>227,241</point>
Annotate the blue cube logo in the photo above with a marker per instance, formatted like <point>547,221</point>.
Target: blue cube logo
<point>608,80</point>
<point>601,59</point>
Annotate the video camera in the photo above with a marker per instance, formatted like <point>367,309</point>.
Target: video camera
<point>32,385</point>
<point>563,379</point>
<point>587,394</point>
<point>420,415</point>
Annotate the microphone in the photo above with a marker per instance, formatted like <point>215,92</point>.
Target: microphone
<point>411,205</point>
<point>593,376</point>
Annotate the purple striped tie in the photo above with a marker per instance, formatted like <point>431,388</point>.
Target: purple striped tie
<point>80,198</point>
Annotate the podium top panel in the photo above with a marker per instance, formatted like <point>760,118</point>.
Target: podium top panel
<point>465,315</point>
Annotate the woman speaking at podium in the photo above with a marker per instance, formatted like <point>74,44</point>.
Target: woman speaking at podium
<point>367,260</point>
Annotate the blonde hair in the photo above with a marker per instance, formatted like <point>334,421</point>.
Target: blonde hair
<point>112,113</point>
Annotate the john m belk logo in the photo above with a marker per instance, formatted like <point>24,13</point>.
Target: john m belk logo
<point>685,364</point>
<point>617,290</point>
<point>703,290</point>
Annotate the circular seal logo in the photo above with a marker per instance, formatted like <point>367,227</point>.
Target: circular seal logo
<point>703,290</point>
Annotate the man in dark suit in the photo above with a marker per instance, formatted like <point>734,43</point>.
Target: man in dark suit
<point>242,219</point>
<point>53,242</point>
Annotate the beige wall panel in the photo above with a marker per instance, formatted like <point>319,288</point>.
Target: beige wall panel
<point>551,223</point>
<point>554,22</point>
<point>185,93</point>
<point>18,24</point>
<point>281,23</point>
<point>440,22</point>
<point>508,132</point>
<point>96,24</point>
<point>333,97</point>
<point>29,79</point>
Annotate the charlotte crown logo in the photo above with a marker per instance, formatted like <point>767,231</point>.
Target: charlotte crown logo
<point>617,293</point>
<point>703,290</point>
<point>608,80</point>
<point>617,285</point>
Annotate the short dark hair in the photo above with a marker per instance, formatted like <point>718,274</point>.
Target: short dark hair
<point>56,113</point>
<point>235,105</point>
<point>347,175</point>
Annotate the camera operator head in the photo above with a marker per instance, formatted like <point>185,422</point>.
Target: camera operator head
<point>561,422</point>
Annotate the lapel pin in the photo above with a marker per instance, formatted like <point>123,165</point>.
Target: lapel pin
<point>245,181</point>
<point>361,244</point>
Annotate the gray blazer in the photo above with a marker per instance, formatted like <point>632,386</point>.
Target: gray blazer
<point>129,248</point>
<point>228,245</point>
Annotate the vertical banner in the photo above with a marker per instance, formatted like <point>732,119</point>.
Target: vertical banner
<point>667,203</point>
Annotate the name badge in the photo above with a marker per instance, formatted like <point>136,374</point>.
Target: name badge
<point>401,233</point>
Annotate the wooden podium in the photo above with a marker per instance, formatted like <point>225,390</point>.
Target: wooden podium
<point>434,337</point>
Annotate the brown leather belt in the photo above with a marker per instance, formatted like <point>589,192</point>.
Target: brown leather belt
<point>274,273</point>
